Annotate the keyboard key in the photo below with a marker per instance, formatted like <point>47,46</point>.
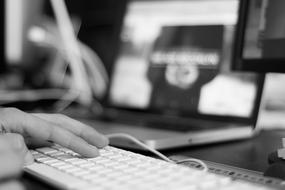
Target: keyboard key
<point>46,150</point>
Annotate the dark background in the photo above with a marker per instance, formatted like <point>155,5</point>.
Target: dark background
<point>101,21</point>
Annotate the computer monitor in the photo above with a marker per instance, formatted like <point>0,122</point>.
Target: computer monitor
<point>174,59</point>
<point>260,36</point>
<point>19,16</point>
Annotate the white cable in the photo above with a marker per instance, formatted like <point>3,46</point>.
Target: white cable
<point>94,67</point>
<point>66,100</point>
<point>133,139</point>
<point>73,51</point>
<point>205,167</point>
<point>97,61</point>
<point>97,72</point>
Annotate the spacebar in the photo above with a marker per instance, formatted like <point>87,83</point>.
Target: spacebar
<point>55,177</point>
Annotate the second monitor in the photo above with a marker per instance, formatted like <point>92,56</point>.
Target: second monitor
<point>260,36</point>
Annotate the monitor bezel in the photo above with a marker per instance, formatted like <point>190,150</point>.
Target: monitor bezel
<point>261,65</point>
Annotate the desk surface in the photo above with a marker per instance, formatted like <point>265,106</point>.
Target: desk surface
<point>249,154</point>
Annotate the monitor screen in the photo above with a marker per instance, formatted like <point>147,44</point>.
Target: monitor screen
<point>175,58</point>
<point>20,16</point>
<point>261,36</point>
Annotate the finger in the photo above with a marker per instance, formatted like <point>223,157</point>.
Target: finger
<point>73,142</point>
<point>76,127</point>
<point>36,143</point>
<point>10,161</point>
<point>11,185</point>
<point>35,127</point>
<point>17,142</point>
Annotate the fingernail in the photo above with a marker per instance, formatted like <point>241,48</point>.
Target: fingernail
<point>102,142</point>
<point>93,151</point>
<point>29,159</point>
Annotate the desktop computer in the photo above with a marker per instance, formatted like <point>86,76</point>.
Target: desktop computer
<point>119,169</point>
<point>116,168</point>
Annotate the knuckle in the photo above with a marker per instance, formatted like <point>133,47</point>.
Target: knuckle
<point>19,138</point>
<point>10,110</point>
<point>5,115</point>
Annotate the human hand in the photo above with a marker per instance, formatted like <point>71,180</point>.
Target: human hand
<point>13,154</point>
<point>39,129</point>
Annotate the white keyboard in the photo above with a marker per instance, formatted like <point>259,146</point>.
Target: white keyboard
<point>119,169</point>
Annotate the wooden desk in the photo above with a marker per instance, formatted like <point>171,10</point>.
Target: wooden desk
<point>249,154</point>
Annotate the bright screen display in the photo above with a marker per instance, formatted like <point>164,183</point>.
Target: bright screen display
<point>175,56</point>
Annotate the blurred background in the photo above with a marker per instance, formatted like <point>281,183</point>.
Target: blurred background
<point>35,75</point>
<point>35,69</point>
